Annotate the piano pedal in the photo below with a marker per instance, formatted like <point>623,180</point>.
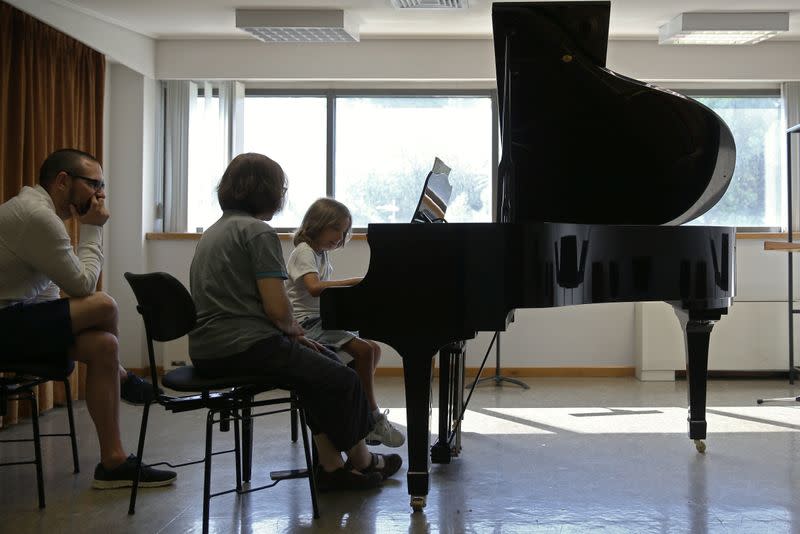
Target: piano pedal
<point>288,474</point>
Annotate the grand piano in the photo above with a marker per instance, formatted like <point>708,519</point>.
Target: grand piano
<point>597,174</point>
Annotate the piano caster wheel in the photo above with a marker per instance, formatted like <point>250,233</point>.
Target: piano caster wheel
<point>417,503</point>
<point>700,445</point>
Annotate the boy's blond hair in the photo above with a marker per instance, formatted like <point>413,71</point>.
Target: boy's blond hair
<point>322,214</point>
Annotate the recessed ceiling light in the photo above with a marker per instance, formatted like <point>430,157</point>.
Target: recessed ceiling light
<point>723,28</point>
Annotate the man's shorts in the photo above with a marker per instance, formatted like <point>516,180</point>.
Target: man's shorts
<point>38,333</point>
<point>334,339</point>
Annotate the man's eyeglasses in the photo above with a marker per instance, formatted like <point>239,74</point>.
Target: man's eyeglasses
<point>97,185</point>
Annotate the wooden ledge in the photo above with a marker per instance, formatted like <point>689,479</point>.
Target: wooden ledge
<point>782,246</point>
<point>192,236</point>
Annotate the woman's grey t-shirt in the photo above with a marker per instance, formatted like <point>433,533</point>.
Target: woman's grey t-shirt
<point>231,256</point>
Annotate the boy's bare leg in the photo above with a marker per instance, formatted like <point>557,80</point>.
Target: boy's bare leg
<point>376,354</point>
<point>363,356</point>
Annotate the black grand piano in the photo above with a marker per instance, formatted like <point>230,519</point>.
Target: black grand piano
<point>597,173</point>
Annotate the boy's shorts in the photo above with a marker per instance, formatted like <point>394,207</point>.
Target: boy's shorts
<point>334,339</point>
<point>39,333</point>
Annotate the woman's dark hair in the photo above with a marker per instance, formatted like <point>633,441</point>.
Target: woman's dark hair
<point>322,214</point>
<point>252,183</point>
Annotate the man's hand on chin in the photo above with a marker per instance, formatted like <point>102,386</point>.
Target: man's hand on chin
<point>96,213</point>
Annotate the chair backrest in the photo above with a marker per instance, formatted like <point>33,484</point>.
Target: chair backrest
<point>166,306</point>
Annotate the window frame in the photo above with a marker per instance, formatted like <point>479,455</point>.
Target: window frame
<point>332,94</point>
<point>694,92</point>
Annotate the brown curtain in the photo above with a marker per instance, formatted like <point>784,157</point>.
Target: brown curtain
<point>51,97</point>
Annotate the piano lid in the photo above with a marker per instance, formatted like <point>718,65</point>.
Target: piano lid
<point>583,144</point>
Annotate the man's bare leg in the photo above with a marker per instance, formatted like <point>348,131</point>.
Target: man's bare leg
<point>98,350</point>
<point>98,311</point>
<point>94,322</point>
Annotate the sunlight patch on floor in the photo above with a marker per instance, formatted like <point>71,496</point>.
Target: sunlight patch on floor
<point>642,420</point>
<point>618,420</point>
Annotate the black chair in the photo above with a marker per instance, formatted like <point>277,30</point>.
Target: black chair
<point>21,386</point>
<point>169,313</point>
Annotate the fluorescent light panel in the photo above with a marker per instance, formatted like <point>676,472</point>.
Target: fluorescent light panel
<point>298,25</point>
<point>723,28</point>
<point>430,4</point>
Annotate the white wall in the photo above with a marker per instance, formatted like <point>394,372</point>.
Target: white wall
<point>129,170</point>
<point>752,337</point>
<point>457,59</point>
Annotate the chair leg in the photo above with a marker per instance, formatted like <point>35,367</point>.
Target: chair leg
<point>3,401</point>
<point>37,447</point>
<point>73,439</point>
<point>139,453</point>
<point>312,481</point>
<point>247,440</point>
<point>237,448</point>
<point>207,473</point>
<point>294,424</point>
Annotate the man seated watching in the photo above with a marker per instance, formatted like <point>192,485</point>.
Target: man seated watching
<point>36,326</point>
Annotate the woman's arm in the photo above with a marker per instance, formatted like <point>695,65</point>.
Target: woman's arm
<point>315,285</point>
<point>277,306</point>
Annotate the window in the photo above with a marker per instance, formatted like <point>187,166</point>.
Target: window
<point>385,147</point>
<point>291,131</point>
<point>381,149</point>
<point>755,196</point>
<point>206,162</point>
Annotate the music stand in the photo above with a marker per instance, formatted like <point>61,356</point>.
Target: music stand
<point>788,247</point>
<point>497,377</point>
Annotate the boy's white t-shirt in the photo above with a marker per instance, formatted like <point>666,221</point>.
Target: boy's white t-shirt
<point>304,260</point>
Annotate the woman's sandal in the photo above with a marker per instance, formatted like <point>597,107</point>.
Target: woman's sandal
<point>344,479</point>
<point>391,464</point>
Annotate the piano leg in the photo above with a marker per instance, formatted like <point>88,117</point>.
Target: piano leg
<point>697,327</point>
<point>417,375</point>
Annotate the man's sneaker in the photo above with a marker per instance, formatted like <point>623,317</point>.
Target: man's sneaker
<point>383,432</point>
<point>136,390</point>
<point>122,476</point>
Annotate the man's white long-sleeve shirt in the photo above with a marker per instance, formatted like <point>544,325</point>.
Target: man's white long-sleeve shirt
<point>36,256</point>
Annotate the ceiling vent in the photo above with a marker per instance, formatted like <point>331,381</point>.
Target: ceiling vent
<point>298,25</point>
<point>430,4</point>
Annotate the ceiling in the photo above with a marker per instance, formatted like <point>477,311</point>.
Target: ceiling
<point>214,19</point>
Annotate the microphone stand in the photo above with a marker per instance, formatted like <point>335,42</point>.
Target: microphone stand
<point>497,377</point>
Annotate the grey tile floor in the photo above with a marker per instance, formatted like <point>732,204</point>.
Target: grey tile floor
<point>566,456</point>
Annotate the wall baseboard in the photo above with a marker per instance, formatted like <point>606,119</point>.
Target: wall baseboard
<point>743,375</point>
<point>557,372</point>
<point>514,372</point>
<point>532,372</point>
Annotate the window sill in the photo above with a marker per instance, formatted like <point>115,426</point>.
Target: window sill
<point>766,235</point>
<point>284,236</point>
<point>191,236</point>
